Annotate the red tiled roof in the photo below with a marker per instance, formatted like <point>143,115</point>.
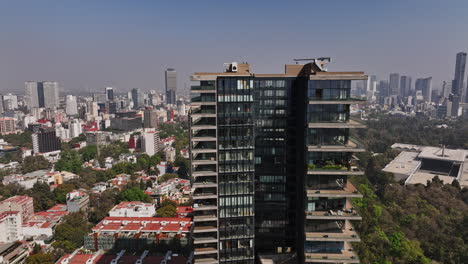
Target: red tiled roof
<point>148,224</point>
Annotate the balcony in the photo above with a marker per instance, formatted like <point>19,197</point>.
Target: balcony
<point>205,195</point>
<point>345,214</point>
<point>206,261</point>
<point>202,88</point>
<point>351,146</point>
<point>348,191</point>
<point>205,173</point>
<point>204,240</point>
<point>204,229</point>
<point>204,207</point>
<point>332,168</point>
<point>337,100</point>
<point>204,162</point>
<point>348,235</point>
<point>205,218</point>
<point>205,251</point>
<point>344,257</point>
<point>345,124</point>
<point>206,184</point>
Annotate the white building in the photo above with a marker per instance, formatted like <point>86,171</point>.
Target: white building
<point>150,142</point>
<point>11,226</point>
<point>75,128</point>
<point>71,105</point>
<point>10,102</point>
<point>133,209</point>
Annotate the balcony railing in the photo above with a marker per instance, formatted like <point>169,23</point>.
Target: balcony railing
<point>202,87</point>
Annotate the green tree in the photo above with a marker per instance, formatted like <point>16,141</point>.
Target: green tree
<point>183,165</point>
<point>34,163</point>
<point>43,198</point>
<point>134,194</point>
<point>69,161</point>
<point>168,208</point>
<point>88,153</point>
<point>101,204</point>
<point>41,258</point>
<point>73,229</point>
<point>61,192</point>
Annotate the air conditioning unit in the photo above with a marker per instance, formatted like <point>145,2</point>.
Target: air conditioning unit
<point>234,67</point>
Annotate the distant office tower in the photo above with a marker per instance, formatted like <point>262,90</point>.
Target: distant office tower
<point>383,89</point>
<point>10,102</point>
<point>95,138</point>
<point>394,84</point>
<point>137,98</point>
<point>457,83</point>
<point>150,142</point>
<point>45,140</point>
<point>171,86</point>
<point>425,86</point>
<point>92,109</point>
<point>42,94</point>
<point>1,104</point>
<point>75,128</point>
<point>51,94</point>
<point>109,93</point>
<point>446,89</point>
<point>181,108</point>
<point>150,118</point>
<point>71,106</point>
<point>405,86</point>
<point>270,158</point>
<point>111,107</point>
<point>7,125</point>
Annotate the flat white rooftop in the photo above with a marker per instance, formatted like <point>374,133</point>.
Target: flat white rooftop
<point>455,155</point>
<point>423,176</point>
<point>405,163</point>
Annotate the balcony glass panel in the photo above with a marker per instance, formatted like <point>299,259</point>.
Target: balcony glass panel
<point>325,204</point>
<point>326,182</point>
<point>329,89</point>
<point>320,113</point>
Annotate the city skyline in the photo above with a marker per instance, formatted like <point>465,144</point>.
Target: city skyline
<point>132,44</point>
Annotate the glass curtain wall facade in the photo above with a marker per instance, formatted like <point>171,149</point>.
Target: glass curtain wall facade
<point>270,157</point>
<point>236,169</point>
<point>273,228</point>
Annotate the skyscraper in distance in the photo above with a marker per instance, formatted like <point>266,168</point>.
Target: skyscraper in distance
<point>394,84</point>
<point>270,158</point>
<point>405,86</point>
<point>457,83</point>
<point>42,94</point>
<point>71,105</point>
<point>109,93</point>
<point>171,86</point>
<point>425,86</point>
<point>137,98</point>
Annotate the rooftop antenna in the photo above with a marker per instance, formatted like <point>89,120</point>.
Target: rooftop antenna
<point>320,59</point>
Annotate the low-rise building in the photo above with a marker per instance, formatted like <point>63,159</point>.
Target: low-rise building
<point>15,252</point>
<point>133,209</point>
<point>77,201</point>
<point>23,204</point>
<point>184,211</point>
<point>100,257</point>
<point>10,226</point>
<point>99,187</point>
<point>420,164</point>
<point>136,233</point>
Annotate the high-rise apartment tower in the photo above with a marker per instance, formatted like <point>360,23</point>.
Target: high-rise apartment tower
<point>270,159</point>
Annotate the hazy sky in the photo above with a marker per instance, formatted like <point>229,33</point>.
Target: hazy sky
<point>87,45</point>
